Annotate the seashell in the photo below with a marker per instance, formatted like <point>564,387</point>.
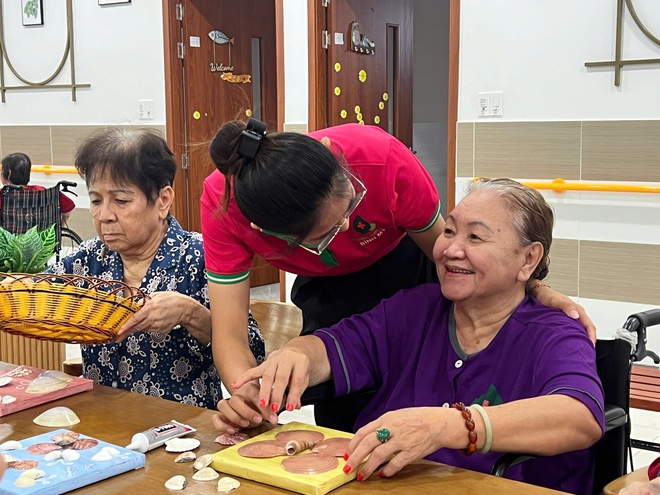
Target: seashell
<point>23,465</point>
<point>48,381</point>
<point>84,443</point>
<point>65,438</point>
<point>185,457</point>
<point>300,435</point>
<point>203,461</point>
<point>35,474</point>
<point>70,455</point>
<point>42,448</point>
<point>10,445</point>
<point>227,484</point>
<point>262,449</point>
<point>5,380</point>
<point>295,446</point>
<point>336,446</point>
<point>232,438</point>
<point>310,463</point>
<point>54,455</point>
<point>102,456</point>
<point>9,458</point>
<point>57,417</point>
<point>206,474</point>
<point>7,399</point>
<point>28,478</point>
<point>111,450</point>
<point>181,444</point>
<point>176,483</point>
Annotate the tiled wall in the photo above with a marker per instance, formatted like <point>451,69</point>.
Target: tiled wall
<point>606,246</point>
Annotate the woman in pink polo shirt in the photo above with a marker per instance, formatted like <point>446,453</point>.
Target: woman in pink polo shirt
<point>349,209</point>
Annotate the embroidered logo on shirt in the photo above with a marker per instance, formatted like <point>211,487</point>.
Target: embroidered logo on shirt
<point>362,226</point>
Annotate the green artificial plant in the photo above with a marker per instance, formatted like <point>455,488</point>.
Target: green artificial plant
<point>26,253</point>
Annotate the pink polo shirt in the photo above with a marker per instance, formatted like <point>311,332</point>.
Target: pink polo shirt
<point>401,196</point>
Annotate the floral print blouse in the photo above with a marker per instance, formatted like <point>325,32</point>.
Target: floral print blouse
<point>173,366</point>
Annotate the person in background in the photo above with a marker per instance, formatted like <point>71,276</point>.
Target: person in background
<point>16,168</point>
<point>349,209</point>
<point>466,370</point>
<point>164,350</point>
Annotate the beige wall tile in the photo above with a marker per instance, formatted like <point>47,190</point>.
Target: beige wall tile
<point>33,140</point>
<point>563,276</point>
<point>81,223</point>
<point>301,128</point>
<point>620,272</point>
<point>465,149</point>
<point>529,150</point>
<point>621,151</point>
<point>66,139</point>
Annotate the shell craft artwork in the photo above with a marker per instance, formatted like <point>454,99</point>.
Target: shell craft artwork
<point>294,447</point>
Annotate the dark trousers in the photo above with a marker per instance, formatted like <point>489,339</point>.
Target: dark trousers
<point>324,301</point>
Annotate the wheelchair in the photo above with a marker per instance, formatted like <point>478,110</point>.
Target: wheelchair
<point>22,209</point>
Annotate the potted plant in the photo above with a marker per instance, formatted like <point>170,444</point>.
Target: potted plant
<point>28,252</point>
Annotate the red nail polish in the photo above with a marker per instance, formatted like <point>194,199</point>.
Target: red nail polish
<point>380,474</point>
<point>289,407</point>
<point>274,407</point>
<point>347,469</point>
<point>263,402</point>
<point>360,477</point>
<point>346,456</point>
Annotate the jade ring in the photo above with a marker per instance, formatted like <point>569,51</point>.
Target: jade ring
<point>383,435</point>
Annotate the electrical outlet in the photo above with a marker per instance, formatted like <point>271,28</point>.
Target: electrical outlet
<point>146,109</point>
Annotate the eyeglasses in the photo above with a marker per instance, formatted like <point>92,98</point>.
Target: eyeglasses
<point>360,192</point>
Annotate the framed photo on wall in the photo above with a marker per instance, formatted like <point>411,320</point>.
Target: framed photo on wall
<point>33,12</point>
<point>113,2</point>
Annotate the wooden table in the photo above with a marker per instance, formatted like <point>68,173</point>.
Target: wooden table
<point>114,416</point>
<point>619,484</point>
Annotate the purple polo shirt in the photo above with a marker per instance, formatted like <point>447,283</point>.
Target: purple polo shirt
<point>407,349</point>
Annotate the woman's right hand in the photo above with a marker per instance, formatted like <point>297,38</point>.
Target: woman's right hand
<point>241,410</point>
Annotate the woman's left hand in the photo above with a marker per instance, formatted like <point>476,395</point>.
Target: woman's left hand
<point>160,313</point>
<point>414,433</point>
<point>553,299</point>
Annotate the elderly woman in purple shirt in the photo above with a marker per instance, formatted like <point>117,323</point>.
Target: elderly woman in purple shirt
<point>465,371</point>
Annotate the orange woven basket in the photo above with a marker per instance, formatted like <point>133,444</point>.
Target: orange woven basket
<point>66,308</point>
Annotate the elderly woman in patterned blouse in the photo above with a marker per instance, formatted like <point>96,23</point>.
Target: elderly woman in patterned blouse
<point>164,349</point>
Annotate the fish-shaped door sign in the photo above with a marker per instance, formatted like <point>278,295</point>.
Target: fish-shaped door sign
<point>220,38</point>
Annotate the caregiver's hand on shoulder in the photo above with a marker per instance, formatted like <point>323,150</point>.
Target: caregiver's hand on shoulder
<point>549,297</point>
<point>285,368</point>
<point>414,433</point>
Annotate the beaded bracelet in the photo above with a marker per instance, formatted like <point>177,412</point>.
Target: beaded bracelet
<point>469,424</point>
<point>489,429</point>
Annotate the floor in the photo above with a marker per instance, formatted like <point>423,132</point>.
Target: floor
<point>645,424</point>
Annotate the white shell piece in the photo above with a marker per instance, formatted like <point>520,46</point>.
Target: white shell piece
<point>185,457</point>
<point>9,458</point>
<point>54,455</point>
<point>48,381</point>
<point>5,380</point>
<point>7,399</point>
<point>57,417</point>
<point>176,483</point>
<point>69,455</point>
<point>35,474</point>
<point>10,445</point>
<point>227,484</point>
<point>111,450</point>
<point>101,456</point>
<point>181,444</point>
<point>24,481</point>
<point>206,474</point>
<point>203,461</point>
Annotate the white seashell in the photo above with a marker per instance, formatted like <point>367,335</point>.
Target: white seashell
<point>70,455</point>
<point>206,474</point>
<point>181,444</point>
<point>35,474</point>
<point>5,380</point>
<point>227,484</point>
<point>48,381</point>
<point>176,483</point>
<point>9,458</point>
<point>54,455</point>
<point>7,399</point>
<point>110,450</point>
<point>57,417</point>
<point>102,456</point>
<point>10,445</point>
<point>185,457</point>
<point>203,461</point>
<point>24,482</point>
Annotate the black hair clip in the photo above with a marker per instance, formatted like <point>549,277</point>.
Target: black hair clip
<point>251,138</point>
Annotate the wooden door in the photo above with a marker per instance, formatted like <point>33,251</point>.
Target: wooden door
<point>228,64</point>
<point>369,64</point>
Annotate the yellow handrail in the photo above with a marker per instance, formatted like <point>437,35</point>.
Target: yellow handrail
<point>49,169</point>
<point>560,186</point>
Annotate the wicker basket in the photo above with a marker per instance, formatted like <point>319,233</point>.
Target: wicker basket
<point>66,308</point>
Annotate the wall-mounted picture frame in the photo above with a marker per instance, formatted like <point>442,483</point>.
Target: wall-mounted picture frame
<point>113,2</point>
<point>33,12</point>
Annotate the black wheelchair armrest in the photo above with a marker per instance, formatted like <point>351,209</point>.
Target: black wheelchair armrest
<point>638,323</point>
<point>506,461</point>
<point>614,417</point>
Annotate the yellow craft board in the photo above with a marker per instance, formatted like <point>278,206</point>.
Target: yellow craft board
<point>270,471</point>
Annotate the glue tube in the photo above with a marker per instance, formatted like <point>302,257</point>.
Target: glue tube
<point>158,435</point>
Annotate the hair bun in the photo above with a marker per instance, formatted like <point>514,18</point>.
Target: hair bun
<point>224,148</point>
